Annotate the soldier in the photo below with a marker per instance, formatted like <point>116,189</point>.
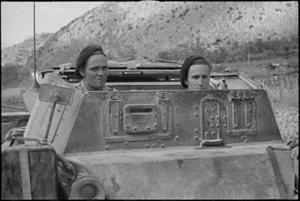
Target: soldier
<point>195,74</point>
<point>91,66</point>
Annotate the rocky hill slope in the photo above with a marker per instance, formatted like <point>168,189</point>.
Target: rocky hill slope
<point>17,55</point>
<point>145,29</point>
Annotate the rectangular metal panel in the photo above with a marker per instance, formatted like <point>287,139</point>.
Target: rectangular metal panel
<point>42,173</point>
<point>48,92</point>
<point>239,172</point>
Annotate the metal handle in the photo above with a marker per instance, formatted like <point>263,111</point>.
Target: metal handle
<point>215,142</point>
<point>56,96</point>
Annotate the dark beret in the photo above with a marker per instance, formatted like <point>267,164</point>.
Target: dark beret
<point>85,54</point>
<point>186,66</point>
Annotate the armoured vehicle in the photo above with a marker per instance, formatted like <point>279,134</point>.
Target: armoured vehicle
<point>149,139</point>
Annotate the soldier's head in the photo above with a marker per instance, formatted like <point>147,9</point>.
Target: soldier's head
<point>195,73</point>
<point>91,66</point>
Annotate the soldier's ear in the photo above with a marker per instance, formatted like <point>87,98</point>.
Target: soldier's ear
<point>186,82</point>
<point>81,71</point>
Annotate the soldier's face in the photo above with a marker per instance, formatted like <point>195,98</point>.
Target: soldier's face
<point>95,72</point>
<point>198,77</point>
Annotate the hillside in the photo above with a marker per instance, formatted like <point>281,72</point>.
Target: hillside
<point>18,54</point>
<point>147,28</point>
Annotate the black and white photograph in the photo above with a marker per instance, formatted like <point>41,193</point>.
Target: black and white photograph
<point>149,100</point>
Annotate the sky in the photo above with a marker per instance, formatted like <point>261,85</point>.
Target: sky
<point>17,18</point>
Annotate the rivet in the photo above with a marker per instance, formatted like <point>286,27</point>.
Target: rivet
<point>211,125</point>
<point>196,137</point>
<point>235,110</point>
<point>106,147</point>
<point>195,130</point>
<point>135,128</point>
<point>235,126</point>
<point>224,125</point>
<point>58,110</point>
<point>155,125</point>
<point>196,114</point>
<point>212,109</point>
<point>224,117</point>
<point>206,110</point>
<point>212,117</point>
<point>248,125</point>
<point>158,141</point>
<point>206,134</point>
<point>217,125</point>
<point>126,143</point>
<point>162,145</point>
<point>64,184</point>
<point>147,128</point>
<point>146,145</point>
<point>176,108</point>
<point>164,128</point>
<point>196,106</point>
<point>155,115</point>
<point>213,133</point>
<point>154,145</point>
<point>115,132</point>
<point>127,126</point>
<point>249,110</point>
<point>176,137</point>
<point>217,117</point>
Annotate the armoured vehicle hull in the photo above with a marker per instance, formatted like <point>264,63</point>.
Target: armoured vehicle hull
<point>150,140</point>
